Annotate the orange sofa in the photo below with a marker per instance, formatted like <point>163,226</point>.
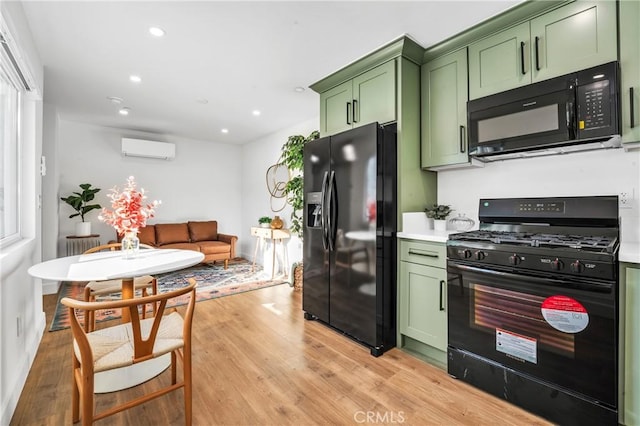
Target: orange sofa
<point>197,236</point>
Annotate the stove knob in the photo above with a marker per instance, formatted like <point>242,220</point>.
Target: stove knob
<point>577,266</point>
<point>514,260</point>
<point>480,255</point>
<point>466,253</point>
<point>557,265</point>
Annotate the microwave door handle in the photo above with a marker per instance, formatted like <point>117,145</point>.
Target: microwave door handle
<point>571,122</point>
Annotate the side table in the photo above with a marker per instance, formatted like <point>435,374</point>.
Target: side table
<point>78,245</point>
<point>277,236</point>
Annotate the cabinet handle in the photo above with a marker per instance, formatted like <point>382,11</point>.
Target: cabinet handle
<point>462,144</point>
<point>348,109</point>
<point>631,112</point>
<point>442,283</point>
<point>522,58</point>
<point>537,54</point>
<point>420,253</point>
<point>355,107</point>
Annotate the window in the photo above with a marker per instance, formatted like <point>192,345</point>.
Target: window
<point>11,89</point>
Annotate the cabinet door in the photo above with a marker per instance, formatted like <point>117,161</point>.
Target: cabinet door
<point>336,114</point>
<point>500,62</point>
<point>574,37</point>
<point>630,69</point>
<point>632,348</point>
<point>444,110</point>
<point>423,300</point>
<point>374,93</point>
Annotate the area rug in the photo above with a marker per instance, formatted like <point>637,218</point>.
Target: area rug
<point>213,281</point>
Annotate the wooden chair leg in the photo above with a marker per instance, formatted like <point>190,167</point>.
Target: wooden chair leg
<point>226,263</point>
<point>186,365</point>
<point>86,395</point>
<point>75,396</point>
<point>174,368</point>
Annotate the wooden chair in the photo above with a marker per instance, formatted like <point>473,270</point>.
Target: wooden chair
<point>127,344</point>
<point>146,284</point>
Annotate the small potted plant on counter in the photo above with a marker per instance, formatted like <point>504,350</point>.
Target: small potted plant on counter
<point>79,201</point>
<point>264,221</point>
<point>439,213</point>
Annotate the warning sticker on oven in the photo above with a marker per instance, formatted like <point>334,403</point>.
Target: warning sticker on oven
<point>516,345</point>
<point>565,314</point>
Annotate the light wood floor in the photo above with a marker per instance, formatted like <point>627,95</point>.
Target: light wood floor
<point>258,362</point>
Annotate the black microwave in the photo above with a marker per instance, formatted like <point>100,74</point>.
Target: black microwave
<point>574,112</point>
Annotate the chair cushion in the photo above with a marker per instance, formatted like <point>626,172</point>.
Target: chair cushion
<point>112,347</point>
<point>168,233</point>
<point>214,247</point>
<point>203,231</point>
<point>99,288</point>
<point>147,235</point>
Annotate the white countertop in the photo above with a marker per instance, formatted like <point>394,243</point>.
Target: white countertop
<point>629,252</point>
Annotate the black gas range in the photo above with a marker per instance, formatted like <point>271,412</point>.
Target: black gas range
<point>533,305</point>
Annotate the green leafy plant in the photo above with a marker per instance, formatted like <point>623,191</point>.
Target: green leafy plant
<point>79,201</point>
<point>292,157</point>
<point>264,219</point>
<point>438,211</point>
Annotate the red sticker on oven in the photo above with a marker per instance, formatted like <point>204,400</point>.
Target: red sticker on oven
<point>565,314</point>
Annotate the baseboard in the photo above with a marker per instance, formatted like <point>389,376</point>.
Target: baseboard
<point>10,402</point>
<point>50,287</point>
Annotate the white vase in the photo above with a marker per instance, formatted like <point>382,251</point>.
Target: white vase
<point>130,245</point>
<point>440,224</point>
<point>83,229</point>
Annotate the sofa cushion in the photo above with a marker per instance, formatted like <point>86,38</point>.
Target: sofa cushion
<point>181,246</point>
<point>147,235</point>
<point>203,231</point>
<point>213,247</point>
<point>168,233</point>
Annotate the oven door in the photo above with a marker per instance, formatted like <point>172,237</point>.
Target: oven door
<point>560,332</point>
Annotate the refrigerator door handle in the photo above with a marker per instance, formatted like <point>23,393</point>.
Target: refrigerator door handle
<point>331,212</point>
<point>323,210</point>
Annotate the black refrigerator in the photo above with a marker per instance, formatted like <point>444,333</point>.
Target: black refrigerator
<point>349,249</point>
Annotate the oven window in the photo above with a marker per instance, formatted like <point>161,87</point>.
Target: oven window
<point>495,308</point>
<point>523,123</point>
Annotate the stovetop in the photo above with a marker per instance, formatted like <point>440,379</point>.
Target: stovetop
<point>595,243</point>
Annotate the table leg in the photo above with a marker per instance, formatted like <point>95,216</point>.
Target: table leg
<point>127,293</point>
<point>255,254</point>
<point>285,259</point>
<point>273,258</point>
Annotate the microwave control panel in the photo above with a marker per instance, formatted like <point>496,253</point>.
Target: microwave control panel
<point>594,105</point>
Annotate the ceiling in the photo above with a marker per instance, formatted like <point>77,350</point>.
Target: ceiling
<point>219,60</point>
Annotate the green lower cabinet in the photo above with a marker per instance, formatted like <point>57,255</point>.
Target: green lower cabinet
<point>422,305</point>
<point>630,280</point>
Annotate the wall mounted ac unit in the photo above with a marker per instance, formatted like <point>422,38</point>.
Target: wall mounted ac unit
<point>149,149</point>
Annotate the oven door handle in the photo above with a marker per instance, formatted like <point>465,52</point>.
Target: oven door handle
<point>598,286</point>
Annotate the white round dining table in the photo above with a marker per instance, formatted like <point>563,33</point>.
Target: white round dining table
<point>109,265</point>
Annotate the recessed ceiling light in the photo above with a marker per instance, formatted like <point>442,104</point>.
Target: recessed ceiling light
<point>115,99</point>
<point>156,31</point>
<point>299,89</point>
<point>224,131</point>
<point>124,111</point>
<point>135,78</point>
<point>256,112</point>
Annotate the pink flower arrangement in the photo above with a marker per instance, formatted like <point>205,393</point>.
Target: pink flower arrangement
<point>130,212</point>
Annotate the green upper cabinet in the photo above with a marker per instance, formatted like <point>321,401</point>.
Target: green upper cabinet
<point>570,38</point>
<point>369,97</point>
<point>500,62</point>
<point>630,70</point>
<point>444,110</point>
<point>579,35</point>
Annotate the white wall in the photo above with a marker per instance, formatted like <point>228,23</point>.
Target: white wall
<point>604,172</point>
<point>203,182</point>
<point>22,319</point>
<point>257,157</point>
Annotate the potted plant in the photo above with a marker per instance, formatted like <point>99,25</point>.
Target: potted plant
<point>439,213</point>
<point>79,201</point>
<point>292,157</point>
<point>264,221</point>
